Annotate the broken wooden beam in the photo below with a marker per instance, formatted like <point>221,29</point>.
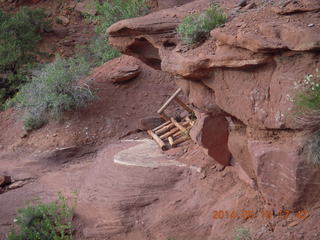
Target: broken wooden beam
<point>181,140</point>
<point>182,104</point>
<point>174,130</point>
<point>171,132</point>
<point>156,138</point>
<point>161,126</point>
<point>178,125</point>
<point>164,129</point>
<point>165,105</point>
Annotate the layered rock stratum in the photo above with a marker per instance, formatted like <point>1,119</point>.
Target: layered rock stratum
<point>240,82</point>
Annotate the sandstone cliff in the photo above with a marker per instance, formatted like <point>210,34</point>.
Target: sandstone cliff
<point>240,82</point>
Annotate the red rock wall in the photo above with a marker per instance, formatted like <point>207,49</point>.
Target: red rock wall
<point>240,82</point>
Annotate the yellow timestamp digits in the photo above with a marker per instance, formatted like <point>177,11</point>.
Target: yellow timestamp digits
<point>248,214</point>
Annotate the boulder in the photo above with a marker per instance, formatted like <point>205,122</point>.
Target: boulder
<point>211,133</point>
<point>283,176</point>
<point>123,73</point>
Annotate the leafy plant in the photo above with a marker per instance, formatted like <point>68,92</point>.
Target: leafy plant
<point>309,97</point>
<point>196,27</point>
<point>307,114</point>
<point>44,221</point>
<point>53,90</point>
<point>100,51</point>
<point>20,33</point>
<point>242,234</point>
<point>110,12</point>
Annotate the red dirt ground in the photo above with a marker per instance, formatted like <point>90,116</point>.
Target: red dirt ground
<point>143,204</point>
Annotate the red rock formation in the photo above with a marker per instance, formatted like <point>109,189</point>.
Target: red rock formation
<point>245,71</point>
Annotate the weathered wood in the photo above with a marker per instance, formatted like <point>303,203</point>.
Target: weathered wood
<point>181,140</point>
<point>180,133</point>
<point>182,104</point>
<point>161,126</point>
<point>170,139</point>
<point>165,105</point>
<point>178,125</point>
<point>161,144</point>
<point>171,132</point>
<point>164,129</point>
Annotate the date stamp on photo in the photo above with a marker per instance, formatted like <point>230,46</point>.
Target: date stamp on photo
<point>266,214</point>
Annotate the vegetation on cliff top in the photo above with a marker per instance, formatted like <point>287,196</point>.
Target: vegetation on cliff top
<point>196,27</point>
<point>110,12</point>
<point>307,102</point>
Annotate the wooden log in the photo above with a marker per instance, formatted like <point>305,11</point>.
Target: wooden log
<point>161,144</point>
<point>170,139</point>
<point>182,104</point>
<point>178,125</point>
<point>181,140</point>
<point>161,126</point>
<point>164,129</point>
<point>171,132</point>
<point>165,105</point>
<point>180,133</point>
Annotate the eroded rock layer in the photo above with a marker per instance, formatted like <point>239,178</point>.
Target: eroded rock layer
<point>241,82</point>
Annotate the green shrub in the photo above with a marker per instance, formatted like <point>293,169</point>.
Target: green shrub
<point>307,114</point>
<point>110,12</point>
<point>196,27</point>
<point>309,98</point>
<point>44,221</point>
<point>307,102</point>
<point>242,234</point>
<point>100,51</point>
<point>20,33</point>
<point>53,90</point>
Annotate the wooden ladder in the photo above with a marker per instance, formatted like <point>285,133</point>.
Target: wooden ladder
<point>171,133</point>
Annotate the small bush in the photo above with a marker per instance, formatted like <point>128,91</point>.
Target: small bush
<point>44,221</point>
<point>53,90</point>
<point>242,234</point>
<point>100,51</point>
<point>307,102</point>
<point>196,27</point>
<point>307,114</point>
<point>309,97</point>
<point>110,12</point>
<point>20,33</point>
